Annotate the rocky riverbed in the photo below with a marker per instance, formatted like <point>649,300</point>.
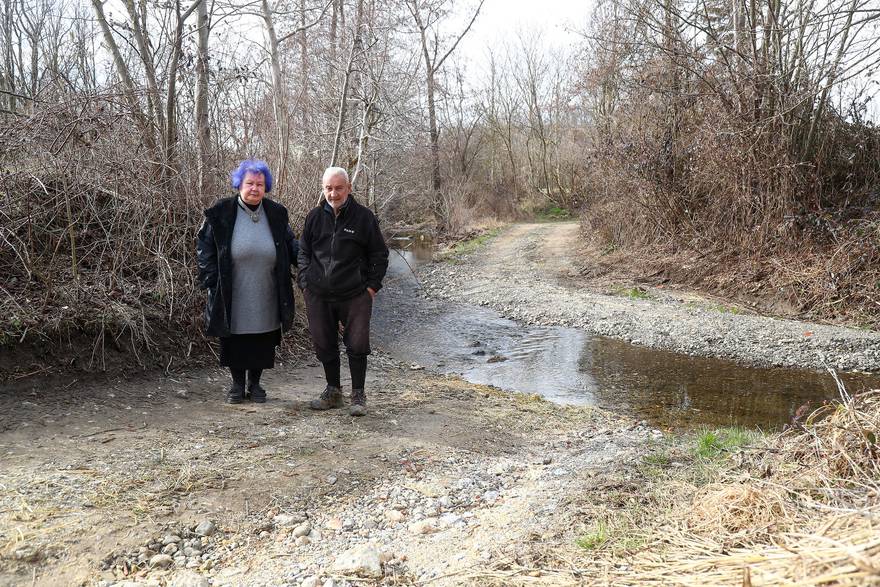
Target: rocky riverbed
<point>532,273</point>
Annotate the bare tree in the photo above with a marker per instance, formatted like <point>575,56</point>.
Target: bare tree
<point>427,15</point>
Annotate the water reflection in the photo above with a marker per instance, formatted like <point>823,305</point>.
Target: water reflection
<point>677,390</point>
<point>569,366</point>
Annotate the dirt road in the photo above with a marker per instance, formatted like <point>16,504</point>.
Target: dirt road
<point>124,482</point>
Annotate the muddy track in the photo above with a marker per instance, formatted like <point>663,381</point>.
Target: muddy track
<point>531,273</point>
<point>111,481</point>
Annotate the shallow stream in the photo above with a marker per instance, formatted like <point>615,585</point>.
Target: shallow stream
<point>570,366</point>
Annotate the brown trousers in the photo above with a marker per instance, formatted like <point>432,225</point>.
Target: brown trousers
<point>324,319</point>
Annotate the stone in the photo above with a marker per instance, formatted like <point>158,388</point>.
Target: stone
<point>26,554</point>
<point>205,528</point>
<point>302,530</point>
<point>333,524</point>
<point>362,561</point>
<point>449,519</point>
<point>170,539</point>
<point>187,579</point>
<point>161,561</point>
<point>394,516</point>
<point>425,526</point>
<point>283,520</point>
<point>303,541</point>
<point>310,582</point>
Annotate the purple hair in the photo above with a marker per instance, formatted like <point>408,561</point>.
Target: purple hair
<point>255,166</point>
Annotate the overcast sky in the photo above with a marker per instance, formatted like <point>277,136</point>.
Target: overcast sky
<point>503,18</point>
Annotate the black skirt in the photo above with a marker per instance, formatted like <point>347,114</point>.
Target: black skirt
<point>249,351</point>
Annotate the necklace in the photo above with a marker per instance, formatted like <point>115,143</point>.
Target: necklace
<point>254,214</point>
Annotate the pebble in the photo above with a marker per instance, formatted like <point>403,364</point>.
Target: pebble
<point>206,528</point>
<point>26,553</point>
<point>161,561</point>
<point>394,516</point>
<point>423,526</point>
<point>362,561</point>
<point>288,519</point>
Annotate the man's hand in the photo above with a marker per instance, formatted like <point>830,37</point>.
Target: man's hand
<point>372,293</point>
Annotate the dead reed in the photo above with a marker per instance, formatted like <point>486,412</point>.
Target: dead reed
<point>800,509</point>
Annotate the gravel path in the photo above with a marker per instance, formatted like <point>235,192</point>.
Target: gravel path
<point>529,273</point>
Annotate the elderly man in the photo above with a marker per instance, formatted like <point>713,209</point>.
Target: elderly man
<point>342,260</point>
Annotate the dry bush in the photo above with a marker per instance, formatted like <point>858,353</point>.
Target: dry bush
<point>98,243</point>
<point>99,240</point>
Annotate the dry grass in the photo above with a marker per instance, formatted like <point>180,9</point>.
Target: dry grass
<point>803,508</point>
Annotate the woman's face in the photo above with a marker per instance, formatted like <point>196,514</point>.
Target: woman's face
<point>253,188</point>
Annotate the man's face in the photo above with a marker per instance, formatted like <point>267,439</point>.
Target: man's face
<point>336,190</point>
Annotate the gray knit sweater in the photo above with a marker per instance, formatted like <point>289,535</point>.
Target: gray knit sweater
<point>254,291</point>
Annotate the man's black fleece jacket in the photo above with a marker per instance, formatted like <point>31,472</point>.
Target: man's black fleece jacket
<point>341,256</point>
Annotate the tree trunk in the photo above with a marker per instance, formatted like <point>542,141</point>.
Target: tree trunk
<point>203,128</point>
<point>129,89</point>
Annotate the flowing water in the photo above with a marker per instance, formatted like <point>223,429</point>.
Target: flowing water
<point>570,366</point>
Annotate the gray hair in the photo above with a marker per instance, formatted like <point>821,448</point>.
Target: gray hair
<point>334,171</point>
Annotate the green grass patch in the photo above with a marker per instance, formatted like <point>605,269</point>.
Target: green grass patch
<point>554,213</point>
<point>469,246</point>
<point>714,444</point>
<point>595,538</point>
<point>657,459</point>
<point>633,293</point>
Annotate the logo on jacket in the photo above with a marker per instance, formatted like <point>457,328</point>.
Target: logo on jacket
<point>348,230</point>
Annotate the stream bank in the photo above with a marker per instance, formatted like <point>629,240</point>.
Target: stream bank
<point>670,357</point>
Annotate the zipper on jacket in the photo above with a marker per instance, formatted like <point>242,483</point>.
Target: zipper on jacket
<point>329,269</point>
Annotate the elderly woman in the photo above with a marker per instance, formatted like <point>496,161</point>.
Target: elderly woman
<point>245,250</point>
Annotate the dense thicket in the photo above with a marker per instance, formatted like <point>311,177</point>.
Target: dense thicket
<point>735,134</point>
